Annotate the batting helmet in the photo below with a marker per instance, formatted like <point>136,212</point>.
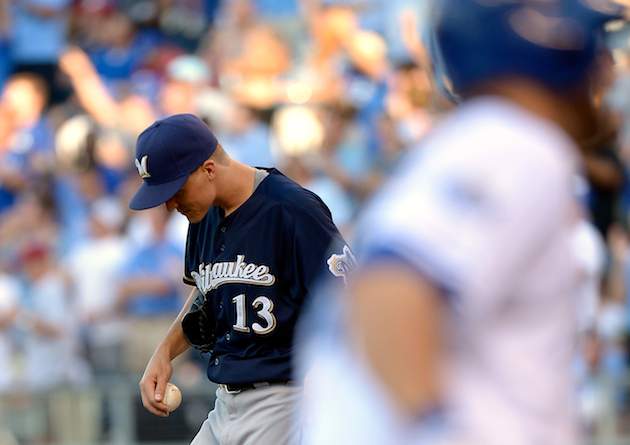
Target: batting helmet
<point>553,42</point>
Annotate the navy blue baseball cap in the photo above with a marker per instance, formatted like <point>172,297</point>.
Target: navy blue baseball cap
<point>167,152</point>
<point>552,42</point>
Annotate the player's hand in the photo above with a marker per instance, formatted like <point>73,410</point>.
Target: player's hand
<point>153,383</point>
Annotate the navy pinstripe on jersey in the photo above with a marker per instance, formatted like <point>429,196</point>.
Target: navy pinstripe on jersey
<point>256,267</point>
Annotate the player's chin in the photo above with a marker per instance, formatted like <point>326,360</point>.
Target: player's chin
<point>194,217</point>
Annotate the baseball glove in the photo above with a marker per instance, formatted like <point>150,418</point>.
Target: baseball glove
<point>198,325</point>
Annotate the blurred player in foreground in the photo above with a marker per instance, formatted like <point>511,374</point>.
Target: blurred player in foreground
<point>460,320</point>
<point>257,242</point>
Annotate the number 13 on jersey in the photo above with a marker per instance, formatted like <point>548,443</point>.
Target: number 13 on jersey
<point>264,309</point>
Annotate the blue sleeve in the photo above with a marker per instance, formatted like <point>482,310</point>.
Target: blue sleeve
<point>315,248</point>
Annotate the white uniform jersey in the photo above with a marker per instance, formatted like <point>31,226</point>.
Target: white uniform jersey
<point>485,210</point>
<point>590,249</point>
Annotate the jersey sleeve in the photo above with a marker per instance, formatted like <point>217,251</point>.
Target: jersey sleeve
<point>315,248</point>
<point>470,222</point>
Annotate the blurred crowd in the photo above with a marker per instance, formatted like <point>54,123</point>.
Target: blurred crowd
<point>333,93</point>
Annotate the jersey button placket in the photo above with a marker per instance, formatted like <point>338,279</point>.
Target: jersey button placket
<point>228,337</point>
<point>216,361</point>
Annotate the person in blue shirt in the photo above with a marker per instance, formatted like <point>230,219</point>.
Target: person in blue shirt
<point>149,291</point>
<point>148,288</point>
<point>27,151</point>
<point>47,20</point>
<point>257,244</point>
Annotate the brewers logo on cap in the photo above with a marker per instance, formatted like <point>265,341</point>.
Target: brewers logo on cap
<point>142,167</point>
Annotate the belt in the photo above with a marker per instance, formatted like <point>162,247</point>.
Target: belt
<point>235,388</point>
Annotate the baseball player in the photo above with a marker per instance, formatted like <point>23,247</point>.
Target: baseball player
<point>460,319</point>
<point>256,244</point>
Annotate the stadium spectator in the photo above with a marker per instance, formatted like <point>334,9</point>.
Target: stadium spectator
<point>185,78</point>
<point>116,51</point>
<point>149,293</point>
<point>51,347</point>
<point>9,303</point>
<point>311,178</point>
<point>48,19</point>
<point>93,270</point>
<point>27,143</point>
<point>346,154</point>
<point>5,56</point>
<point>126,113</point>
<point>245,137</point>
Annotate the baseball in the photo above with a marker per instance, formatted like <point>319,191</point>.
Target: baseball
<point>172,397</point>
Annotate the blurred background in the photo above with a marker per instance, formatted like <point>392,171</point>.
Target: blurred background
<point>333,93</point>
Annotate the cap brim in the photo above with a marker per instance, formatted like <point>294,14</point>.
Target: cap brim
<point>153,195</point>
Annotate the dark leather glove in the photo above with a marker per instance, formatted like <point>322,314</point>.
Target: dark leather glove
<point>199,324</point>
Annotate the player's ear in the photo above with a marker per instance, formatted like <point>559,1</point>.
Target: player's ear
<point>209,168</point>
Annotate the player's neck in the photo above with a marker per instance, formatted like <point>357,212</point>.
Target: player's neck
<point>237,186</point>
<point>570,115</point>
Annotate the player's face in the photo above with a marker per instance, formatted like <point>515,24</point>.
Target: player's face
<point>195,197</point>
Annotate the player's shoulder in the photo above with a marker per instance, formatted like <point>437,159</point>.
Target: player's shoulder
<point>287,196</point>
<point>485,154</point>
<point>488,129</point>
<point>488,141</point>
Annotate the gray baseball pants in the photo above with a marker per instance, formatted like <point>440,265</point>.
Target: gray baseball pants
<point>261,416</point>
